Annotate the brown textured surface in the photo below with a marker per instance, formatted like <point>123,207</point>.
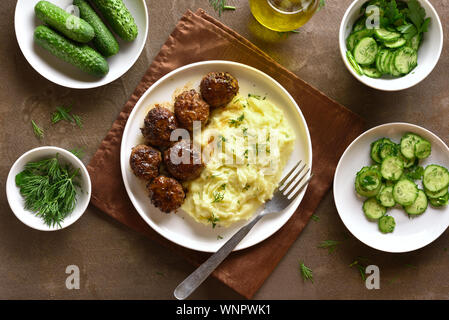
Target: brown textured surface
<point>116,262</point>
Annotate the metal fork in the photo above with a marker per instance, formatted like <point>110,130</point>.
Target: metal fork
<point>289,187</point>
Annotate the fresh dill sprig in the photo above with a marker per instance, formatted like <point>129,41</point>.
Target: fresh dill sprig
<point>38,132</point>
<point>330,245</point>
<point>321,5</point>
<point>360,263</point>
<point>306,272</point>
<point>220,6</point>
<point>49,189</point>
<point>78,121</point>
<point>79,153</point>
<point>315,218</point>
<point>61,113</point>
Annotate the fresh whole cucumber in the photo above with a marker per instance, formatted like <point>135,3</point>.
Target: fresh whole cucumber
<point>119,18</point>
<point>104,41</point>
<point>69,25</point>
<point>79,55</point>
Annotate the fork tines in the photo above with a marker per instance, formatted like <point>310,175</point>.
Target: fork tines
<point>290,186</point>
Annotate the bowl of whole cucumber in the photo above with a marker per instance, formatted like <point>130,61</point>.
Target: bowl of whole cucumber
<point>391,45</point>
<point>81,43</point>
<point>391,187</point>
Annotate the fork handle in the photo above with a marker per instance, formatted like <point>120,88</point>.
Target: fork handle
<point>185,288</point>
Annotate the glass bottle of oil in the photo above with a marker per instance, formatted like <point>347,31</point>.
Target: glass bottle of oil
<point>283,15</point>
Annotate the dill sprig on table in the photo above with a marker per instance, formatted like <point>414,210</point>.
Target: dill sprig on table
<point>330,245</point>
<point>49,189</point>
<point>62,113</point>
<point>220,6</point>
<point>38,132</point>
<point>306,272</point>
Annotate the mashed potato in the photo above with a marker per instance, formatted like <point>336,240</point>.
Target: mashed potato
<point>245,146</point>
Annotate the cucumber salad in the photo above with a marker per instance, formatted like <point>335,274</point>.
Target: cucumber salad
<point>386,38</point>
<point>391,180</point>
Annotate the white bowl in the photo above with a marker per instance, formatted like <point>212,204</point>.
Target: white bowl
<point>410,233</point>
<point>16,201</point>
<point>428,55</point>
<point>63,73</point>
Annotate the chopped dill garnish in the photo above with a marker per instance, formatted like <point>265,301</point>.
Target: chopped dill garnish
<point>213,220</point>
<point>235,123</point>
<point>218,197</point>
<point>315,218</point>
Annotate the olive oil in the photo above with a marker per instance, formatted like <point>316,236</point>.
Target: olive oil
<point>283,15</point>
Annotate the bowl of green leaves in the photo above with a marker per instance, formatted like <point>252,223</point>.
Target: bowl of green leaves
<point>391,45</point>
<point>48,188</point>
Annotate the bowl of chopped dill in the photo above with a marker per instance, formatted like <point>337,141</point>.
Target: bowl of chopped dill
<point>48,188</point>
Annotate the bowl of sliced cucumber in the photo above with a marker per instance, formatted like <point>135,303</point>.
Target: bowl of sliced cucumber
<point>81,44</point>
<point>391,45</point>
<point>391,187</point>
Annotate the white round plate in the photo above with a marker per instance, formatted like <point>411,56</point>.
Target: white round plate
<point>179,227</point>
<point>63,73</point>
<point>410,233</point>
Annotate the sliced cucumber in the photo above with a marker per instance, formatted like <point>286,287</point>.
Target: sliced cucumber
<point>375,147</point>
<point>405,60</point>
<point>388,149</point>
<point>415,42</point>
<point>419,206</point>
<point>364,193</point>
<point>386,224</point>
<point>423,148</point>
<point>439,202</point>
<point>385,197</point>
<point>353,63</point>
<point>371,72</point>
<point>392,168</point>
<point>369,179</point>
<point>365,51</point>
<point>408,142</point>
<point>373,210</point>
<point>405,192</point>
<point>408,163</point>
<point>386,36</point>
<point>435,178</point>
<point>435,195</point>
<point>386,62</point>
<point>395,44</point>
<point>380,59</point>
<point>392,68</point>
<point>355,37</point>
